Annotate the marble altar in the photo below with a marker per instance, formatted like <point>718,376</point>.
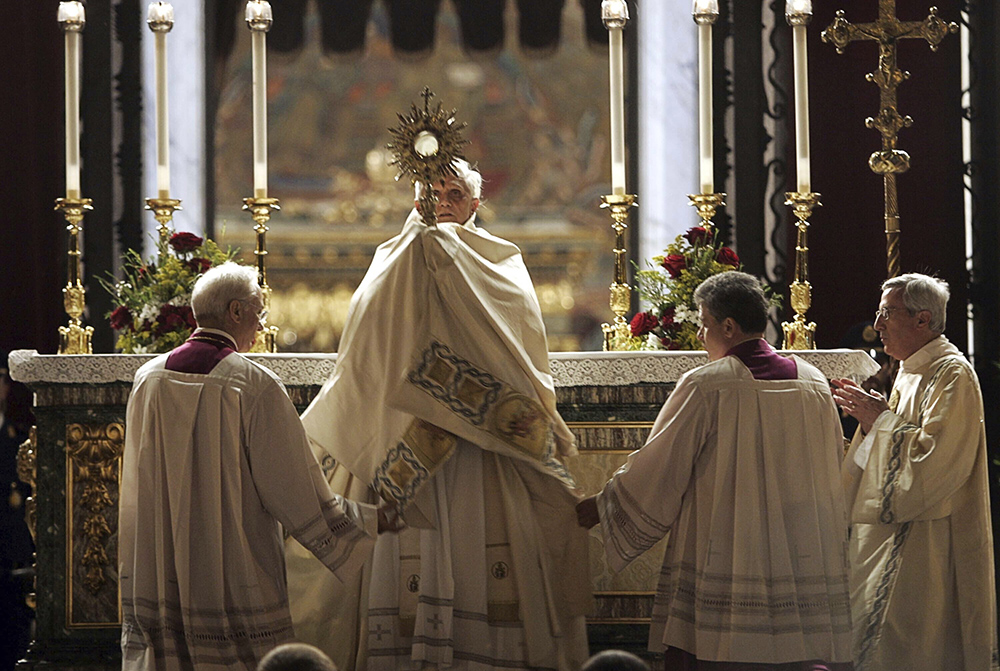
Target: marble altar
<point>609,400</point>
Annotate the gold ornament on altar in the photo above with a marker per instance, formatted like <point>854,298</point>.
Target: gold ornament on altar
<point>74,338</point>
<point>617,335</point>
<point>260,211</point>
<point>887,30</point>
<point>27,472</point>
<point>799,334</point>
<point>423,147</point>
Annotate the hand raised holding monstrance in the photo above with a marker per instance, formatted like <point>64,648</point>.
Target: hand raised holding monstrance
<point>424,145</point>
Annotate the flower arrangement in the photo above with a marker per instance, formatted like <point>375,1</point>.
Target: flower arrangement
<point>152,311</point>
<point>668,286</point>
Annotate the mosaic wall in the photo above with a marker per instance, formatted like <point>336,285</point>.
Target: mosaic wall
<point>538,127</point>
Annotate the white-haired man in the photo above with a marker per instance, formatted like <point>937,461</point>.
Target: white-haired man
<point>922,584</point>
<point>215,460</point>
<point>442,400</point>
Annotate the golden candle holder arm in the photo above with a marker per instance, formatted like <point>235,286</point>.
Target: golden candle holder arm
<point>260,211</point>
<point>75,338</point>
<point>707,204</point>
<point>799,334</point>
<point>163,211</point>
<point>617,334</point>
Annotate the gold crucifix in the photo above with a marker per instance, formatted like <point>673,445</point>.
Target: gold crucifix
<point>890,161</point>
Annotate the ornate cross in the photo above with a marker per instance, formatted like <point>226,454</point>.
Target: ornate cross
<point>887,30</point>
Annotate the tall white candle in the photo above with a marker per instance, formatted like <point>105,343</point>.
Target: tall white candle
<point>617,114</point>
<point>160,17</point>
<point>705,13</point>
<point>258,17</point>
<point>706,151</point>
<point>73,18</point>
<point>614,14</point>
<point>798,13</point>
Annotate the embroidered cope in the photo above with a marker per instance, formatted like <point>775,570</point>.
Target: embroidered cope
<point>213,462</point>
<point>922,588</point>
<point>442,400</point>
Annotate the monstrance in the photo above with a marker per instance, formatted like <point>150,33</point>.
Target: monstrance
<point>424,145</point>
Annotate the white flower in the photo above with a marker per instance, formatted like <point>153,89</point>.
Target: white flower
<point>180,301</point>
<point>651,343</point>
<point>683,314</point>
<point>150,311</point>
<point>140,349</point>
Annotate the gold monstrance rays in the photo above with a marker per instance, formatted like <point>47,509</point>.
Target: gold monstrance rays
<point>890,161</point>
<point>424,145</point>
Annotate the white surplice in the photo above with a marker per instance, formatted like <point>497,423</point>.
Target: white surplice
<point>212,464</point>
<point>744,475</point>
<point>922,588</point>
<point>442,400</point>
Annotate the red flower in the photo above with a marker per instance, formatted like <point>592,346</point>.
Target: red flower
<point>674,264</point>
<point>189,319</point>
<point>667,319</point>
<point>185,242</point>
<point>698,235</point>
<point>727,256</point>
<point>643,323</point>
<point>121,318</point>
<point>174,318</point>
<point>669,344</point>
<point>198,266</point>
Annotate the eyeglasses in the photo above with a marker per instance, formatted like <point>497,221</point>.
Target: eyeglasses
<point>885,313</point>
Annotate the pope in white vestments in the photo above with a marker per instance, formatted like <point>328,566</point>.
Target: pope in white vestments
<point>922,588</point>
<point>742,471</point>
<point>442,401</point>
<point>216,463</point>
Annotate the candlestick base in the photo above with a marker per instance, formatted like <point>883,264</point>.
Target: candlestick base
<point>800,334</point>
<point>75,338</point>
<point>618,335</point>
<point>260,211</point>
<point>163,211</point>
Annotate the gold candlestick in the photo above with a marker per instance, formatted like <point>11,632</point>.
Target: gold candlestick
<point>260,210</point>
<point>74,338</point>
<point>798,333</point>
<point>163,211</point>
<point>618,335</point>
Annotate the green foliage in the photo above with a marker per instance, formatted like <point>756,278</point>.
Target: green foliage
<point>668,283</point>
<point>152,301</point>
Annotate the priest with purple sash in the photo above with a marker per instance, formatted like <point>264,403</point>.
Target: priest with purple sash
<point>216,463</point>
<point>742,470</point>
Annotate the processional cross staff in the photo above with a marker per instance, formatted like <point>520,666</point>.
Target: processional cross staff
<point>890,161</point>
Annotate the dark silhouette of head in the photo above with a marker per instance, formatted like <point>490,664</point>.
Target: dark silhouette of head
<point>615,660</point>
<point>296,657</point>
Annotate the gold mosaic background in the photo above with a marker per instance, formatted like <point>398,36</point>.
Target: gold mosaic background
<point>538,128</point>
